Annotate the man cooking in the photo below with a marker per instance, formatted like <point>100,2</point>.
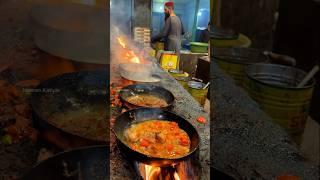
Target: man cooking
<point>172,31</point>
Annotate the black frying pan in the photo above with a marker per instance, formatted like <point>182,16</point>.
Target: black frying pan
<point>71,91</point>
<point>149,89</point>
<point>90,163</point>
<point>143,114</point>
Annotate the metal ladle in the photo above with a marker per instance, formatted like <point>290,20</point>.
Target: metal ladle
<point>309,76</point>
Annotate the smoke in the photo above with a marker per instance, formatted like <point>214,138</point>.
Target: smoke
<point>142,16</point>
<point>121,23</point>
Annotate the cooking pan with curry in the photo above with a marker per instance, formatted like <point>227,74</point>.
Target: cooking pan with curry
<point>146,95</point>
<point>73,106</point>
<point>136,118</point>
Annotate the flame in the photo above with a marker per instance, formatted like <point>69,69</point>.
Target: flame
<point>176,176</point>
<point>153,173</point>
<point>135,60</point>
<point>150,172</point>
<point>122,42</point>
<point>130,55</point>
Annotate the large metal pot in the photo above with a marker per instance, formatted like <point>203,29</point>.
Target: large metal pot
<point>66,92</point>
<point>274,87</point>
<point>138,72</point>
<point>72,31</point>
<point>234,60</point>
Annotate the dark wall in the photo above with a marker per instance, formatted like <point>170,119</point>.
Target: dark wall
<point>254,18</point>
<point>142,13</point>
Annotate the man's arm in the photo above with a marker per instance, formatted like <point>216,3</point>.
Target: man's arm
<point>163,33</point>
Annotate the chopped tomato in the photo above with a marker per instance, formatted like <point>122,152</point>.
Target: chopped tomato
<point>158,124</point>
<point>184,141</point>
<point>144,143</point>
<point>173,124</point>
<point>170,147</point>
<point>201,119</point>
<point>134,148</point>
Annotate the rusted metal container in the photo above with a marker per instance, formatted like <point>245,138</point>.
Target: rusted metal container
<point>196,90</point>
<point>181,77</point>
<point>234,60</point>
<point>274,87</point>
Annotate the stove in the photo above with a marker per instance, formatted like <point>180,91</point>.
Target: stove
<point>186,169</point>
<point>182,170</point>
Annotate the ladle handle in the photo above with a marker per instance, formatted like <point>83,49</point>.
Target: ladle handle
<point>196,79</point>
<point>310,75</point>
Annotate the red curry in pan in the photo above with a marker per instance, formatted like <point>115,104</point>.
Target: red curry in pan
<point>158,138</point>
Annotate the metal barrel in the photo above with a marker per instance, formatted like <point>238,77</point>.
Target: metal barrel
<point>197,92</point>
<point>242,41</point>
<point>234,60</point>
<point>274,88</point>
<point>181,77</point>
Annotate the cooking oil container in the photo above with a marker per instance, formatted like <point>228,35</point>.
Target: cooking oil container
<point>274,88</point>
<point>234,60</point>
<point>169,60</point>
<point>196,90</point>
<point>181,77</point>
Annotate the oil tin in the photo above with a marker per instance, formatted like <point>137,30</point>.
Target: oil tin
<point>169,60</point>
<point>196,90</point>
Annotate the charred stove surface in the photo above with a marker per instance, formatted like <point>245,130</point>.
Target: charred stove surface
<point>245,142</point>
<point>185,106</point>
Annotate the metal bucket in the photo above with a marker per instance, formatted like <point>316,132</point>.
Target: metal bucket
<point>234,60</point>
<point>274,87</point>
<point>181,77</point>
<point>196,90</point>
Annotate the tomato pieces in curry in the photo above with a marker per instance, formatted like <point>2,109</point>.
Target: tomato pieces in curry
<point>158,138</point>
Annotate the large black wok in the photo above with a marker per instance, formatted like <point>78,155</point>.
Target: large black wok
<point>71,91</point>
<point>148,89</point>
<point>144,114</point>
<point>90,163</point>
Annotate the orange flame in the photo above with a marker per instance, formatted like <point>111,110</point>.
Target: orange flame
<point>135,60</point>
<point>132,57</point>
<point>176,176</point>
<point>121,42</point>
<point>153,173</point>
<point>129,55</point>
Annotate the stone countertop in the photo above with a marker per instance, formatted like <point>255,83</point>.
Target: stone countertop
<point>184,106</point>
<point>245,142</point>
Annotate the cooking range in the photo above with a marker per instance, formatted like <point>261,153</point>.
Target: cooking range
<point>126,163</point>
